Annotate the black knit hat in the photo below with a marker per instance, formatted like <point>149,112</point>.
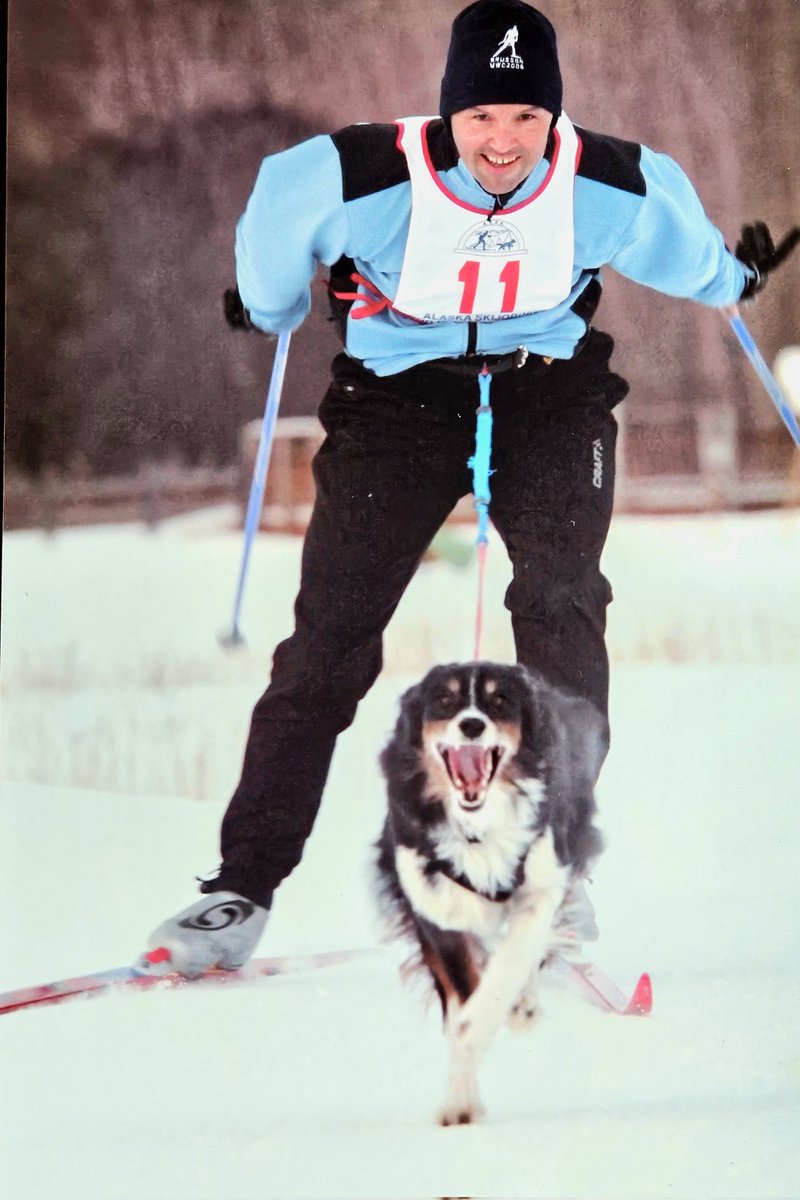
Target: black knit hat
<point>501,52</point>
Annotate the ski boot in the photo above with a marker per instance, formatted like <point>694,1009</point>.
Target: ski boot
<point>574,922</point>
<point>221,930</point>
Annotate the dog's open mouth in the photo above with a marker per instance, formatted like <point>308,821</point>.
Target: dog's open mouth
<point>471,770</point>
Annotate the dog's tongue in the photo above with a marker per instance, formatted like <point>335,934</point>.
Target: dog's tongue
<point>467,763</point>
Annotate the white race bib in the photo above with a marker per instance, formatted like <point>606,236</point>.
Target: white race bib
<point>463,264</point>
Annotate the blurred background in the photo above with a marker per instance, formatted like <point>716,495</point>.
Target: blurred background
<point>136,128</point>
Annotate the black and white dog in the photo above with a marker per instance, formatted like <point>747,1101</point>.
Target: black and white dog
<point>490,775</point>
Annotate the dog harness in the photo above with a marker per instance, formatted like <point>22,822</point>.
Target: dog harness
<point>440,866</point>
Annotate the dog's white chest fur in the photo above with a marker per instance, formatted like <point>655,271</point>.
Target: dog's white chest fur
<point>444,903</point>
<point>488,852</point>
<point>450,906</point>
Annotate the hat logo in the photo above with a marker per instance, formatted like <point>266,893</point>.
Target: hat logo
<point>509,43</point>
<point>492,237</point>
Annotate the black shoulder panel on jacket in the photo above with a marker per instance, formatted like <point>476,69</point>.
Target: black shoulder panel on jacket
<point>441,145</point>
<point>611,161</point>
<point>371,160</point>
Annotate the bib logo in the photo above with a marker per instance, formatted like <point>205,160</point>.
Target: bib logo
<point>492,237</point>
<point>509,43</point>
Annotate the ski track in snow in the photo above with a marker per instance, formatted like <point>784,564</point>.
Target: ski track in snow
<point>326,1084</point>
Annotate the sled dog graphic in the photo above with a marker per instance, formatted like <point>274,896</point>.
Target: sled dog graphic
<point>492,237</point>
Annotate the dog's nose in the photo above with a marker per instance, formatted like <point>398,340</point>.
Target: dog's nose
<point>472,727</point>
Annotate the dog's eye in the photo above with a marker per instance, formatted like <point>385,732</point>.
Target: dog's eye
<point>499,705</point>
<point>444,705</point>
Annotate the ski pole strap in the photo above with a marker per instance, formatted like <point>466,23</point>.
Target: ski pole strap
<point>764,374</point>
<point>480,463</point>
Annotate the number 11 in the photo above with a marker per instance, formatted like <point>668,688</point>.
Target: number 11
<point>509,277</point>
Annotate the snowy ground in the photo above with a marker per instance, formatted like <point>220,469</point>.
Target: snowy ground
<point>120,713</point>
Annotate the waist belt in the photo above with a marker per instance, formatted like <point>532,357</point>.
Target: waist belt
<point>472,364</point>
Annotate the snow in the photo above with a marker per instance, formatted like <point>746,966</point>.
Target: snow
<point>123,724</point>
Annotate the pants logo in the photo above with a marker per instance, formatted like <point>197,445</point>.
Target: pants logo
<point>597,463</point>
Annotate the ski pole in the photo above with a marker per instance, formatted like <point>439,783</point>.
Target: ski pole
<point>764,374</point>
<point>256,499</point>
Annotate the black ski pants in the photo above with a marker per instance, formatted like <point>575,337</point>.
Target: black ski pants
<point>393,465</point>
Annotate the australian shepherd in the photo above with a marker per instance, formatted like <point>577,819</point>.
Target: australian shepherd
<point>490,775</point>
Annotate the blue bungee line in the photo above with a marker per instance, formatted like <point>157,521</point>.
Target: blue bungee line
<point>480,463</point>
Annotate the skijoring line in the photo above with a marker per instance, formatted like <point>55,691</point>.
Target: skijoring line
<point>480,464</point>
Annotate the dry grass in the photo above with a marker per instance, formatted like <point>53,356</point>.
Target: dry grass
<point>132,693</point>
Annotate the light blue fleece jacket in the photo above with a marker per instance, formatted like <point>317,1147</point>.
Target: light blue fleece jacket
<point>634,210</point>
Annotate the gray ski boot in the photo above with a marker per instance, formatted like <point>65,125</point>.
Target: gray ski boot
<point>574,922</point>
<point>220,930</point>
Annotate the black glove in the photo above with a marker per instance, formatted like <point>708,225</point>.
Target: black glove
<point>236,314</point>
<point>756,250</point>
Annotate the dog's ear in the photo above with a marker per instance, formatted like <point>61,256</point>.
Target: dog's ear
<point>537,728</point>
<point>564,727</point>
<point>400,757</point>
<point>579,750</point>
<point>587,736</point>
<point>408,728</point>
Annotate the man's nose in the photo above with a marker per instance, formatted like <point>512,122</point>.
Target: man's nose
<point>502,141</point>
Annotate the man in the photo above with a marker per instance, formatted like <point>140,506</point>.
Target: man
<point>474,238</point>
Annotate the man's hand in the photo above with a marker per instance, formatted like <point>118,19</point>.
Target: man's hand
<point>756,250</point>
<point>236,314</point>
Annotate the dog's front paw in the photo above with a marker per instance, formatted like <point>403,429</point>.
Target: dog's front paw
<point>460,1116</point>
<point>463,1104</point>
<point>461,1110</point>
<point>524,1013</point>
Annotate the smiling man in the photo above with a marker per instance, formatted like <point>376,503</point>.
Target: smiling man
<point>500,144</point>
<point>472,238</point>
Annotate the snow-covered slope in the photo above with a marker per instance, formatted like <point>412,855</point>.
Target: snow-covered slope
<point>326,1084</point>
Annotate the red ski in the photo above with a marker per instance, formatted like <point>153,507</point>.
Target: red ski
<point>121,978</point>
<point>602,991</point>
<point>597,986</point>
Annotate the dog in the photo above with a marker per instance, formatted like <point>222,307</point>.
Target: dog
<point>490,776</point>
